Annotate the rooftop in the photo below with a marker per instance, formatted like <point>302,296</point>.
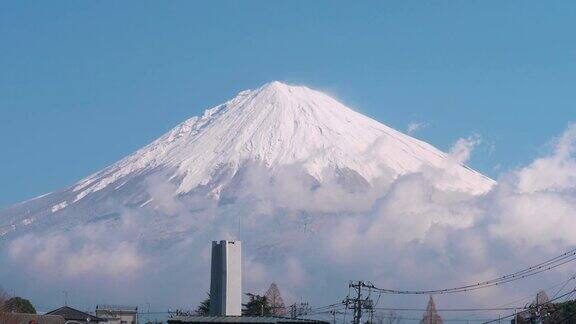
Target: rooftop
<point>28,318</point>
<point>241,319</point>
<point>117,308</point>
<point>70,313</point>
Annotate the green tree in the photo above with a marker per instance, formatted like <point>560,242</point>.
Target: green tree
<point>3,298</point>
<point>564,313</point>
<point>204,307</point>
<point>19,305</point>
<point>3,313</point>
<point>257,306</point>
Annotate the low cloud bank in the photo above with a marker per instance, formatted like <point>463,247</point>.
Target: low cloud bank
<point>312,238</point>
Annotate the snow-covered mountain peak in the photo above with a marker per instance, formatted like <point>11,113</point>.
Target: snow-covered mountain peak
<point>279,87</point>
<point>279,124</point>
<point>280,95</point>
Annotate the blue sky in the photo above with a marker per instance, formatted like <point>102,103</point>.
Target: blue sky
<point>84,83</point>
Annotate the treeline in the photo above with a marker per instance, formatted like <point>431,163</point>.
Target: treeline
<point>269,304</point>
<point>551,313</point>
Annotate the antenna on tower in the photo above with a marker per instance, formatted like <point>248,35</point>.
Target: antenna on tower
<point>239,227</point>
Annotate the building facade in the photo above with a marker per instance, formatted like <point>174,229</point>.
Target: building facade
<point>226,279</point>
<point>116,314</point>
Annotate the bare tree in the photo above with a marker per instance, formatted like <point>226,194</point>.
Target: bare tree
<point>393,318</point>
<point>3,312</point>
<point>275,300</point>
<point>379,318</point>
<point>387,318</point>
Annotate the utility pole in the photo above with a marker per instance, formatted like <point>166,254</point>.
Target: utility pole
<point>358,308</point>
<point>333,312</point>
<point>357,302</point>
<point>148,313</point>
<point>297,310</point>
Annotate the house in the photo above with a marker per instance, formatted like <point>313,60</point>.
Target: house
<point>74,316</point>
<point>19,318</point>
<point>240,320</point>
<point>116,314</point>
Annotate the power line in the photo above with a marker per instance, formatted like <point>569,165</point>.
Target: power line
<point>453,309</point>
<point>413,318</point>
<point>518,275</point>
<point>532,295</point>
<point>564,285</point>
<point>402,318</point>
<point>546,303</point>
<point>341,308</point>
<point>358,302</point>
<point>327,306</point>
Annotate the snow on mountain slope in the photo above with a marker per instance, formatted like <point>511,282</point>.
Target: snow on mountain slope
<point>318,194</point>
<point>276,125</point>
<point>279,124</point>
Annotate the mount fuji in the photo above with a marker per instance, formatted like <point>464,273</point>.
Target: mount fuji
<point>283,168</point>
<point>318,193</point>
<point>277,127</point>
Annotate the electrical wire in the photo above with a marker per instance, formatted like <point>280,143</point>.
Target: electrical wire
<point>564,285</point>
<point>453,309</point>
<point>546,303</point>
<point>547,265</point>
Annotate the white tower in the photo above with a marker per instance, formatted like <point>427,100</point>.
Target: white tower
<point>226,279</point>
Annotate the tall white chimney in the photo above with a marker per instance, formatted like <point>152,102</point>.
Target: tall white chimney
<point>226,279</point>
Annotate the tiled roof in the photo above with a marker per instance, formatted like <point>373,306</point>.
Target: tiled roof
<point>70,313</point>
<point>18,318</point>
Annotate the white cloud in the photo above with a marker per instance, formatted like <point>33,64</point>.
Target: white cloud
<point>397,233</point>
<point>74,258</point>
<point>556,172</point>
<point>413,127</point>
<point>461,150</point>
<point>90,250</point>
